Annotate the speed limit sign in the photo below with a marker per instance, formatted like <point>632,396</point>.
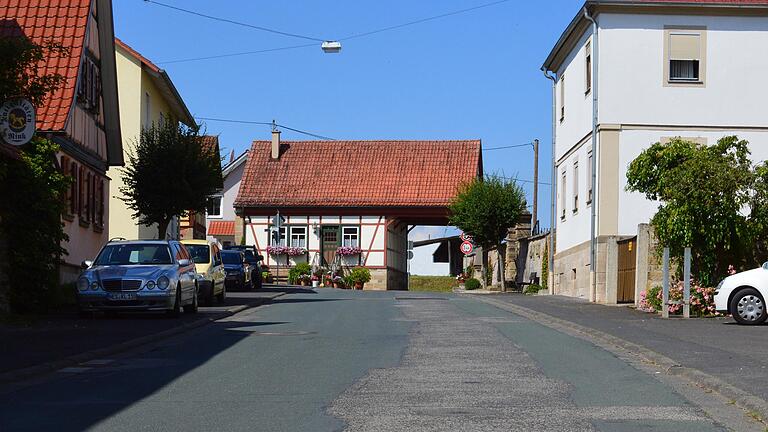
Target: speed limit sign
<point>467,248</point>
<point>465,237</point>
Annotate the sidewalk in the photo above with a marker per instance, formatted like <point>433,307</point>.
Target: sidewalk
<point>61,340</point>
<point>735,354</point>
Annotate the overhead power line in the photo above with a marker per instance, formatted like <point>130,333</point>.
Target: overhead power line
<point>422,20</point>
<point>530,144</point>
<point>516,179</point>
<point>221,120</point>
<point>242,24</point>
<point>349,37</point>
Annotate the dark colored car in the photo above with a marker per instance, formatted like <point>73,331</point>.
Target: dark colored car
<point>237,269</point>
<point>254,259</point>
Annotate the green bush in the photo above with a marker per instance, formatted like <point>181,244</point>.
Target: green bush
<point>360,275</point>
<point>301,269</point>
<point>471,284</point>
<point>532,289</point>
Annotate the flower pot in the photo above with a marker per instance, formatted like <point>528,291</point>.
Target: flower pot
<point>315,284</point>
<point>358,285</point>
<point>337,285</point>
<point>303,283</point>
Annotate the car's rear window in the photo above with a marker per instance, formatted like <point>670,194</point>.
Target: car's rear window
<point>201,254</point>
<point>231,257</point>
<point>134,254</point>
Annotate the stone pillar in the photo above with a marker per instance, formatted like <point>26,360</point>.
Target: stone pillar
<point>642,265</point>
<point>239,229</point>
<point>611,270</point>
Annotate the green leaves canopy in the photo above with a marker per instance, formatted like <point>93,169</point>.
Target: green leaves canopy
<point>486,209</point>
<point>703,193</point>
<point>169,173</point>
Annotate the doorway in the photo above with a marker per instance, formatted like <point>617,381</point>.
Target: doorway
<point>330,242</point>
<point>627,267</point>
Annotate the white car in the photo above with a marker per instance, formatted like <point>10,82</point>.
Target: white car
<point>743,296</point>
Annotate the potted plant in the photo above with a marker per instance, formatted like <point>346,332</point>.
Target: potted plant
<point>315,281</point>
<point>338,282</point>
<point>360,276</point>
<point>328,279</point>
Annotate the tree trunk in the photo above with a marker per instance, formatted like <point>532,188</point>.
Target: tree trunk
<point>162,228</point>
<point>502,255</point>
<point>483,267</point>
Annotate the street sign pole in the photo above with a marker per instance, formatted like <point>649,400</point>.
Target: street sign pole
<point>665,285</point>
<point>687,283</point>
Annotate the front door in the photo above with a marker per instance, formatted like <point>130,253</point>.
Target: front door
<point>330,244</point>
<point>627,266</point>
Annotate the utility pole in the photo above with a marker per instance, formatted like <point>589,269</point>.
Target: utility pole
<point>534,213</point>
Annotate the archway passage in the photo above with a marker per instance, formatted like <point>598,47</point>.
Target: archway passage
<point>349,203</point>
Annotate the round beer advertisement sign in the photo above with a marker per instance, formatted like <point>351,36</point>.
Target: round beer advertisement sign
<point>17,121</point>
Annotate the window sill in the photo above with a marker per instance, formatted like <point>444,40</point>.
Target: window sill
<point>684,83</point>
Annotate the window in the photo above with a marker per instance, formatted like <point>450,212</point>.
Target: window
<point>73,189</point>
<point>562,196</point>
<point>588,68</point>
<point>278,240</point>
<point>214,208</point>
<point>576,186</point>
<point>299,236</point>
<point>589,177</point>
<point>350,237</point>
<point>82,182</point>
<point>89,87</point>
<point>562,98</point>
<point>685,52</point>
<point>100,203</point>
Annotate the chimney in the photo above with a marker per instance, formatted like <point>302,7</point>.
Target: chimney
<point>275,144</point>
<point>232,156</point>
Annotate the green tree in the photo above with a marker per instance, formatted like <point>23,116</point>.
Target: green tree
<point>169,173</point>
<point>31,188</point>
<point>702,191</point>
<point>545,265</point>
<point>486,209</point>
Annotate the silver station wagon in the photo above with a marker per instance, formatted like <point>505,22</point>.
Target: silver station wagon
<point>150,275</point>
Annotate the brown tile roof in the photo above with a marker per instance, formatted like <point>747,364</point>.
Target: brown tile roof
<point>358,173</point>
<point>221,228</point>
<point>145,61</point>
<point>58,21</point>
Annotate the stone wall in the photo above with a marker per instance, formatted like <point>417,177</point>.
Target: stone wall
<point>649,272</point>
<point>378,280</point>
<point>535,247</point>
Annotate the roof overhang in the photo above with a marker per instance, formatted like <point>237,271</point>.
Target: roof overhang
<point>234,164</point>
<point>411,215</point>
<point>580,24</point>
<point>163,82</point>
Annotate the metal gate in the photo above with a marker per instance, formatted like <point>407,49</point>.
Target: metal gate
<point>627,267</point>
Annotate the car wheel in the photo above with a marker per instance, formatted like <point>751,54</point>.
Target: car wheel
<point>192,308</point>
<point>175,312</point>
<point>748,307</point>
<point>223,295</point>
<point>210,297</point>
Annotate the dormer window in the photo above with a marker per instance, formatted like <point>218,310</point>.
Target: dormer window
<point>89,88</point>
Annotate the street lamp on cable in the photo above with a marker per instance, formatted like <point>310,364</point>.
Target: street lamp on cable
<point>331,47</point>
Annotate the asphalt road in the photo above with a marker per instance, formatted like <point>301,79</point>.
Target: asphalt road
<point>363,361</point>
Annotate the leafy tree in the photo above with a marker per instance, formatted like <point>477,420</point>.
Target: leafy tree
<point>169,173</point>
<point>758,216</point>
<point>702,191</point>
<point>486,209</point>
<point>32,188</point>
<point>545,266</point>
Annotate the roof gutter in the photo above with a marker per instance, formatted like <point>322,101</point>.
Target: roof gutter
<point>595,155</point>
<point>552,197</point>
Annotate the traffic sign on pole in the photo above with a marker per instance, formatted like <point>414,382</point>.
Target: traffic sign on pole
<point>467,248</point>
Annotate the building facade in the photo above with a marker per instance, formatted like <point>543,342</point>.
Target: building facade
<point>147,96</point>
<point>627,75</point>
<point>220,215</point>
<point>82,116</point>
<point>349,203</point>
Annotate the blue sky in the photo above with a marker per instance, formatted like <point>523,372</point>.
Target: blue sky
<point>474,75</point>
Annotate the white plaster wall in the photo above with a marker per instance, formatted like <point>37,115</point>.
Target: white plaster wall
<point>575,228</point>
<point>632,66</point>
<point>634,208</point>
<point>578,105</point>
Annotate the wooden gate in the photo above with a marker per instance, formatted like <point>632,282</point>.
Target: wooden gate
<point>627,267</point>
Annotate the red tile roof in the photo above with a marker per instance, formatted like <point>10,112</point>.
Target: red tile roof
<point>221,228</point>
<point>358,173</point>
<point>58,21</point>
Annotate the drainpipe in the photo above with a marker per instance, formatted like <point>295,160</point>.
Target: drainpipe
<point>553,196</point>
<point>595,154</point>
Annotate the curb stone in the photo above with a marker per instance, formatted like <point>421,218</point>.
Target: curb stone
<point>743,399</point>
<point>32,371</point>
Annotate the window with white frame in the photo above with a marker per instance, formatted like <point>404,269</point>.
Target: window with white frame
<point>298,236</point>
<point>562,195</point>
<point>278,239</point>
<point>350,236</point>
<point>588,68</point>
<point>589,177</point>
<point>685,55</point>
<point>575,186</point>
<point>214,207</point>
<point>562,98</point>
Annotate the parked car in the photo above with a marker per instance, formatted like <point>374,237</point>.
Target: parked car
<point>210,270</point>
<point>237,268</point>
<point>254,259</point>
<point>743,296</point>
<point>152,275</point>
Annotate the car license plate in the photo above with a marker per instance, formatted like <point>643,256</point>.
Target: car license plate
<point>122,296</point>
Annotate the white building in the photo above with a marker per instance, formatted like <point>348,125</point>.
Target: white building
<point>658,70</point>
<point>220,215</point>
